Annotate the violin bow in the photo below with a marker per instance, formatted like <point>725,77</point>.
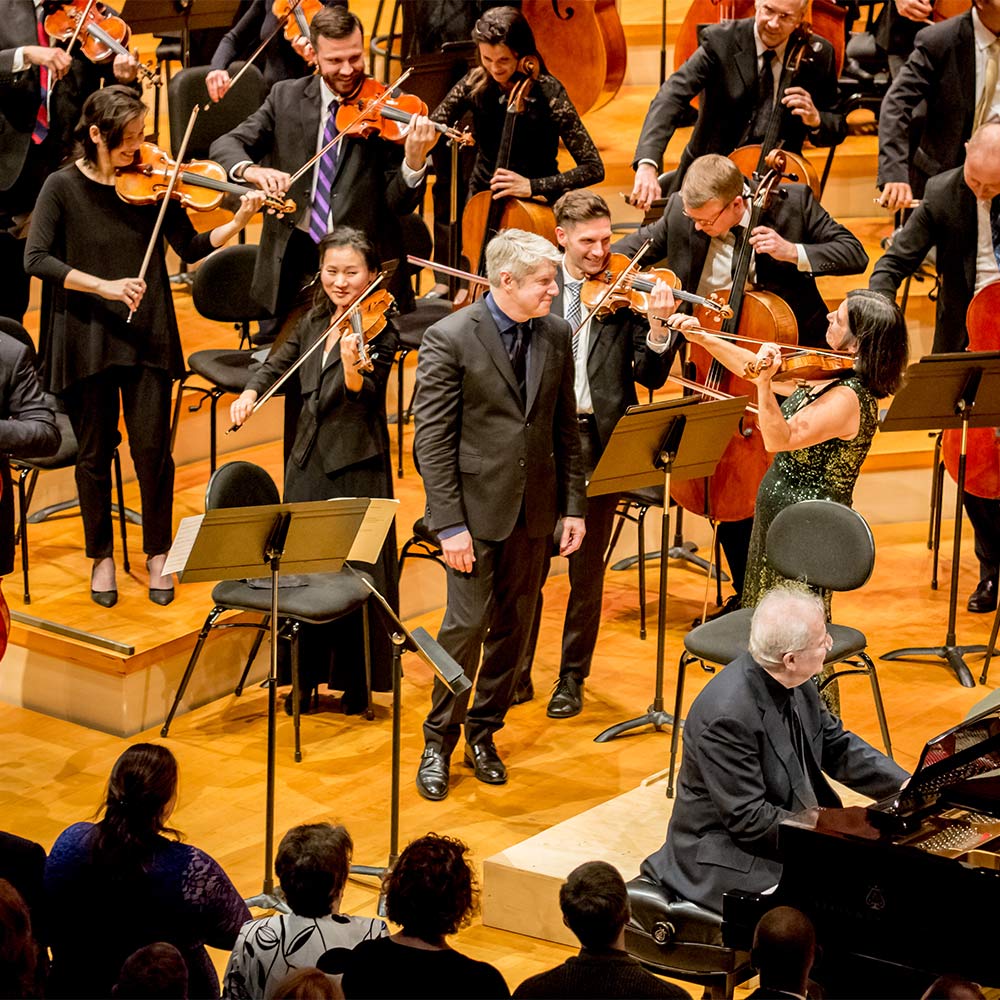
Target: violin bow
<point>300,360</point>
<point>444,269</point>
<point>376,103</point>
<point>612,288</point>
<point>171,184</point>
<point>797,348</point>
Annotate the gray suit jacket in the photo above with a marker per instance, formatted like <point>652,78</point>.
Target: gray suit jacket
<point>740,777</point>
<point>480,450</point>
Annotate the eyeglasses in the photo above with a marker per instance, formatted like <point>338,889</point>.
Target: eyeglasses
<point>705,223</point>
<point>770,14</point>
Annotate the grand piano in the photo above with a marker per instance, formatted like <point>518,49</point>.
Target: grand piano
<point>906,889</point>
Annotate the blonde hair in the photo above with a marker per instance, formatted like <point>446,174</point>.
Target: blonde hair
<point>710,177</point>
<point>519,253</point>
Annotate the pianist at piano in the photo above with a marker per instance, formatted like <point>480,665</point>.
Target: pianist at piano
<point>756,743</point>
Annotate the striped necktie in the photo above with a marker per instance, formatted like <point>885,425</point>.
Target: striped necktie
<point>572,312</point>
<point>41,129</point>
<point>319,221</point>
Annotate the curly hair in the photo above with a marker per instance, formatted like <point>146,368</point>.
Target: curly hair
<point>432,889</point>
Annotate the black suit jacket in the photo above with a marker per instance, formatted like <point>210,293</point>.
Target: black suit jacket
<point>27,430</point>
<point>369,192</point>
<point>740,777</point>
<point>941,71</point>
<point>799,218</point>
<point>946,219</point>
<point>722,74</point>
<point>480,450</point>
<point>617,358</point>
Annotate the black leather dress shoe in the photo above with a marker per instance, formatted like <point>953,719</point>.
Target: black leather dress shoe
<point>984,598</point>
<point>433,774</point>
<point>485,761</point>
<point>524,691</point>
<point>732,604</point>
<point>567,699</point>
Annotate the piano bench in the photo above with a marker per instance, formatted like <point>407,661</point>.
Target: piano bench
<point>679,939</point>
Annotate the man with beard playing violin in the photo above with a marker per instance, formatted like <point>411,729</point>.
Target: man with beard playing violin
<point>699,235</point>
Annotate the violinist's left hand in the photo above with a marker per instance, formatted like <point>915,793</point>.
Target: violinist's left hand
<point>303,46</point>
<point>125,68</point>
<point>573,531</point>
<point>507,184</point>
<point>765,240</point>
<point>250,204</point>
<point>763,378</point>
<point>419,141</point>
<point>801,103</point>
<point>661,308</point>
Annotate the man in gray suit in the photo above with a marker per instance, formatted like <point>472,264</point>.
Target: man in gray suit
<point>498,448</point>
<point>757,742</point>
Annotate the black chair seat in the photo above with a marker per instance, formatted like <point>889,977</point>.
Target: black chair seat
<point>424,533</point>
<point>648,496</point>
<point>410,327</point>
<point>229,370</point>
<point>326,597</point>
<point>65,456</point>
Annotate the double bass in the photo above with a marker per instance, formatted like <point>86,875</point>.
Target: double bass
<point>730,492</point>
<point>485,215</point>
<point>982,448</point>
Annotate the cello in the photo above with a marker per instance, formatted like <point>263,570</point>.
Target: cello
<point>730,493</point>
<point>485,215</point>
<point>583,45</point>
<point>982,462</point>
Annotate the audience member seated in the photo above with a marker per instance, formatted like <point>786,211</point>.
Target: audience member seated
<point>594,904</point>
<point>18,952</point>
<point>784,949</point>
<point>430,893</point>
<point>22,863</point>
<point>155,972</point>
<point>312,866</point>
<point>146,886</point>
<point>757,742</point>
<point>307,983</point>
<point>953,988</point>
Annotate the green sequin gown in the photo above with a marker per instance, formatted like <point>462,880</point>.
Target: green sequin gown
<point>824,471</point>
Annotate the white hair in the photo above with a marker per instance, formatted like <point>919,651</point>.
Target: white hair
<point>519,253</point>
<point>783,622</point>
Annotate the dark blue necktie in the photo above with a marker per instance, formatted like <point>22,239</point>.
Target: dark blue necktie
<point>518,352</point>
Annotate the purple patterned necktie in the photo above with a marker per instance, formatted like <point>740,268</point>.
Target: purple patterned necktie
<point>319,221</point>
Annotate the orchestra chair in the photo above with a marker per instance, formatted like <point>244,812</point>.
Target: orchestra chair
<point>410,327</point>
<point>314,598</point>
<point>27,470</point>
<point>818,542</point>
<point>677,938</point>
<point>422,544</point>
<point>221,291</point>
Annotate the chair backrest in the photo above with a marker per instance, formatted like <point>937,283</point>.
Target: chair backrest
<point>221,286</point>
<point>187,88</point>
<point>240,484</point>
<point>822,543</point>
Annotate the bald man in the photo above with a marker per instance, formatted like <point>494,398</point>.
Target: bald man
<point>784,949</point>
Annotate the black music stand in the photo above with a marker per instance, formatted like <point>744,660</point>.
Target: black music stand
<point>452,676</point>
<point>942,392</point>
<point>681,438</point>
<point>150,16</point>
<point>245,542</point>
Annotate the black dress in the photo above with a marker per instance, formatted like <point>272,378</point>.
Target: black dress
<point>341,449</point>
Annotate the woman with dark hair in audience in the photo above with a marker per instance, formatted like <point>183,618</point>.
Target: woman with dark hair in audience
<point>431,892</point>
<point>88,245</point>
<point>149,887</point>
<point>312,865</point>
<point>18,949</point>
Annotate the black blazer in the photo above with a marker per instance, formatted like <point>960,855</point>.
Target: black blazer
<point>27,430</point>
<point>740,777</point>
<point>799,218</point>
<point>617,358</point>
<point>946,219</point>
<point>941,70</point>
<point>480,450</point>
<point>722,74</point>
<point>369,192</point>
<point>347,427</point>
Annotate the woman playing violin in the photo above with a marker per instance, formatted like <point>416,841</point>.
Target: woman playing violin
<point>88,245</point>
<point>821,434</point>
<point>341,446</point>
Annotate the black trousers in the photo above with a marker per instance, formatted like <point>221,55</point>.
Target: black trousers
<point>985,518</point>
<point>734,538</point>
<point>586,576</point>
<point>93,408</point>
<point>489,611</point>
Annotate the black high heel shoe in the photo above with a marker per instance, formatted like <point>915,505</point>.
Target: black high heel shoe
<point>160,595</point>
<point>105,598</point>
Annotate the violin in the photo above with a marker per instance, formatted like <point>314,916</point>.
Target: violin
<point>804,366</point>
<point>633,291</point>
<point>102,33</point>
<point>298,16</point>
<point>391,117</point>
<point>200,186</point>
